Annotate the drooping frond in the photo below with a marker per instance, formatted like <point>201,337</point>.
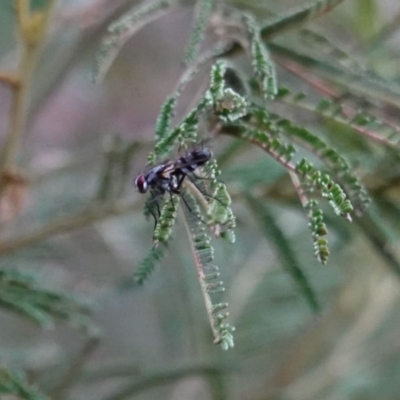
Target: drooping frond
<point>327,187</point>
<point>208,275</point>
<point>318,231</point>
<point>145,269</point>
<point>20,294</point>
<point>13,385</point>
<point>282,152</point>
<point>336,163</point>
<point>276,147</point>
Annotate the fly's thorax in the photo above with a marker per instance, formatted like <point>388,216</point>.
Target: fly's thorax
<point>168,170</point>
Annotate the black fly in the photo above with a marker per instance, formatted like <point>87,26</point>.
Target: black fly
<point>168,177</point>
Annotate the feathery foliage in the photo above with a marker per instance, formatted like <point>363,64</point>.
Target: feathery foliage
<point>319,231</point>
<point>208,275</point>
<point>329,135</point>
<point>264,69</point>
<point>146,267</point>
<point>14,384</point>
<point>165,223</point>
<point>20,294</point>
<point>203,10</point>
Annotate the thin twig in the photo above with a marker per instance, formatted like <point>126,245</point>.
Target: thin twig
<point>32,28</point>
<point>299,189</point>
<point>274,154</point>
<point>67,224</point>
<point>9,79</point>
<point>60,391</point>
<point>347,111</point>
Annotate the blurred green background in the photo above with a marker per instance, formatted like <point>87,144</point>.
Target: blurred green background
<point>156,340</point>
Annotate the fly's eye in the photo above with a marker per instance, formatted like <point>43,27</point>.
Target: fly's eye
<point>141,183</point>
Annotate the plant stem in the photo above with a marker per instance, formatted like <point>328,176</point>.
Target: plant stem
<point>32,29</point>
<point>66,224</point>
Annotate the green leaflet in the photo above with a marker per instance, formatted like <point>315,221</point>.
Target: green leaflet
<point>264,69</point>
<point>208,275</point>
<point>13,383</point>
<point>164,119</point>
<point>203,12</point>
<point>328,188</point>
<point>20,294</point>
<point>166,221</point>
<point>146,268</point>
<point>319,231</point>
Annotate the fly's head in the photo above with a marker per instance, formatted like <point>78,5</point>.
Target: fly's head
<point>141,183</point>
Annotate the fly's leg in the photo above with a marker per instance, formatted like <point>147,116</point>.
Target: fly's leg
<point>201,191</point>
<point>151,212</point>
<point>178,192</point>
<point>153,199</point>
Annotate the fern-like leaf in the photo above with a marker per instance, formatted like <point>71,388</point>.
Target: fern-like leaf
<point>264,69</point>
<point>329,189</point>
<point>145,269</point>
<point>20,294</point>
<point>319,231</point>
<point>208,274</point>
<point>185,131</point>
<point>203,11</point>
<point>361,122</point>
<point>331,158</point>
<point>166,220</point>
<point>164,119</point>
<point>14,385</point>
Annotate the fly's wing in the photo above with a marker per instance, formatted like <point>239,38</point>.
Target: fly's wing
<point>193,160</point>
<point>158,167</point>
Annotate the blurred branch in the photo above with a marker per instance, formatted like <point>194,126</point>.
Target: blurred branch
<point>9,79</point>
<point>349,113</point>
<point>86,25</point>
<point>32,27</point>
<point>169,375</point>
<point>385,33</point>
<point>85,218</point>
<point>59,392</point>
